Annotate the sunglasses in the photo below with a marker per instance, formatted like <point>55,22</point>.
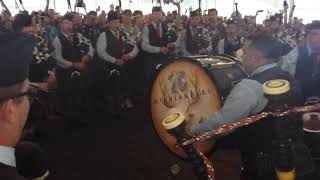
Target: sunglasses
<point>28,93</point>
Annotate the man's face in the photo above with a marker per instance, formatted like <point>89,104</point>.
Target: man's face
<point>14,113</point>
<point>51,13</point>
<point>212,14</point>
<point>249,57</point>
<point>102,20</point>
<point>127,19</point>
<point>274,25</point>
<point>267,26</point>
<point>45,20</point>
<point>66,26</point>
<point>232,29</point>
<point>139,22</point>
<point>91,20</point>
<point>195,21</point>
<point>157,17</point>
<point>114,25</point>
<point>205,19</point>
<point>77,20</point>
<point>5,16</point>
<point>313,39</point>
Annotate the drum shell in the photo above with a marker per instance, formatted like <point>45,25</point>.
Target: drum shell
<point>226,77</point>
<point>208,102</point>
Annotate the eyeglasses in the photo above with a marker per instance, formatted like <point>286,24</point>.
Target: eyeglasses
<point>28,93</point>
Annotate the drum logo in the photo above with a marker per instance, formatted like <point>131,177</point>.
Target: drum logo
<point>180,86</point>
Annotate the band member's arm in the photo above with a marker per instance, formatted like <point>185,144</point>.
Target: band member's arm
<point>57,54</point>
<point>146,43</point>
<point>134,52</point>
<point>221,47</point>
<point>181,44</point>
<point>101,49</point>
<point>210,49</point>
<point>246,98</point>
<point>289,62</point>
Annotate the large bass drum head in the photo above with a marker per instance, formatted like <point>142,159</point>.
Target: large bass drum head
<point>183,86</point>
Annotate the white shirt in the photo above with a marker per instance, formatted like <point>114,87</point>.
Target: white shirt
<point>289,62</point>
<point>102,46</point>
<point>146,42</point>
<point>7,156</point>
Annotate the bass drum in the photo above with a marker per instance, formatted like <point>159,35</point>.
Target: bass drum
<point>194,86</point>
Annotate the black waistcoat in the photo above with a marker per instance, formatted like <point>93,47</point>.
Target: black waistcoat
<point>70,52</point>
<point>154,40</point>
<point>260,135</point>
<point>115,47</point>
<point>305,74</point>
<point>193,46</point>
<point>231,49</point>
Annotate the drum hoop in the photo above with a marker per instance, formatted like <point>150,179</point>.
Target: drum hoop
<point>188,59</point>
<point>234,59</point>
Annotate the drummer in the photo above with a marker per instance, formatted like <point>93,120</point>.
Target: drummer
<point>193,40</point>
<point>247,98</point>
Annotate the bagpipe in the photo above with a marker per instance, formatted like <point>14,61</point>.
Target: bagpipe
<point>78,4</point>
<point>172,1</point>
<point>176,124</point>
<point>47,6</point>
<point>83,44</point>
<point>127,45</point>
<point>202,39</point>
<point>171,34</point>
<point>128,42</point>
<point>286,6</point>
<point>237,12</point>
<point>21,4</point>
<point>291,14</point>
<point>4,6</point>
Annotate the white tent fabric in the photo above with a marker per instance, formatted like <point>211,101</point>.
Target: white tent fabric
<point>306,9</point>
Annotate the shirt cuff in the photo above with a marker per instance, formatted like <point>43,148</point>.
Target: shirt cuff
<point>158,49</point>
<point>113,60</point>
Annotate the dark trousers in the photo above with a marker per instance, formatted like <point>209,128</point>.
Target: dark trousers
<point>112,81</point>
<point>153,63</point>
<point>312,141</point>
<point>72,91</point>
